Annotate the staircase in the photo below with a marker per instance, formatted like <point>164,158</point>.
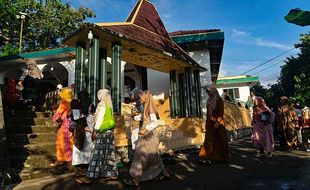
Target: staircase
<point>31,143</point>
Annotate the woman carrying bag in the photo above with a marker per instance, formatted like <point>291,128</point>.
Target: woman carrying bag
<point>102,163</point>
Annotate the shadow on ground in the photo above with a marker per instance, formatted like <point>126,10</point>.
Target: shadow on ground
<point>284,171</point>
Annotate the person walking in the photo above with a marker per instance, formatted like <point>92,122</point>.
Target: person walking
<point>64,139</point>
<point>102,163</point>
<point>262,134</point>
<point>287,123</point>
<point>146,163</point>
<point>215,146</point>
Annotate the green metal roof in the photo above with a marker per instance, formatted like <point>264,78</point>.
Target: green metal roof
<point>39,53</point>
<point>198,37</point>
<point>237,80</point>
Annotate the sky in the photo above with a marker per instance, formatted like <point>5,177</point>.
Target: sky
<point>255,30</point>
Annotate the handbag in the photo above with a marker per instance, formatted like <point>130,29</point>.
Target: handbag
<point>265,116</point>
<point>108,120</point>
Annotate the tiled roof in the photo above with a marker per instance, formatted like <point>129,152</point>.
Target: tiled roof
<point>145,26</point>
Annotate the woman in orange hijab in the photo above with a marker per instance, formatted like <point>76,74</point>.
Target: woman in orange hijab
<point>64,141</point>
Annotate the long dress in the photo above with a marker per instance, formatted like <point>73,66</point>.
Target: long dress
<point>288,123</point>
<point>262,135</point>
<point>64,139</point>
<point>215,146</point>
<point>102,163</point>
<point>83,156</point>
<point>146,163</point>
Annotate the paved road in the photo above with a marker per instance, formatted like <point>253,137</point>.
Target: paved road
<point>284,171</point>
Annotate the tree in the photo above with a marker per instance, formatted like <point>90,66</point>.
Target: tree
<point>49,22</point>
<point>295,73</point>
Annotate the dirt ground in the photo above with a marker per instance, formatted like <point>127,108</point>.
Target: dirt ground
<point>284,171</point>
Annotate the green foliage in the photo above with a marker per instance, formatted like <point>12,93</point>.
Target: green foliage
<point>49,22</point>
<point>295,74</point>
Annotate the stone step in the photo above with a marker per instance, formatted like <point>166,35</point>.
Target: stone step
<point>33,149</point>
<point>31,161</point>
<point>22,113</point>
<point>35,138</point>
<point>18,121</point>
<point>29,129</point>
<point>31,173</point>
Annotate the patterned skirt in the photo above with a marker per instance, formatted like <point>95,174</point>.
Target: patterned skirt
<point>102,163</point>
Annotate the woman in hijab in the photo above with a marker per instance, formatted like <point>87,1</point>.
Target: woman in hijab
<point>64,140</point>
<point>262,135</point>
<point>102,163</point>
<point>287,123</point>
<point>215,146</point>
<point>82,139</point>
<point>146,163</point>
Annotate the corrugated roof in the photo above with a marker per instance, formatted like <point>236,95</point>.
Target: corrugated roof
<point>187,32</point>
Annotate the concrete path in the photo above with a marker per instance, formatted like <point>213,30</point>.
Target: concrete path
<point>284,171</point>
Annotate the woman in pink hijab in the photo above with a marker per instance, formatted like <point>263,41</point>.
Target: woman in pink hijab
<point>262,135</point>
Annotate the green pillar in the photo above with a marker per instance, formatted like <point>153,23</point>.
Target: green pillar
<point>173,94</point>
<point>144,78</point>
<point>93,69</point>
<point>198,92</point>
<point>103,69</point>
<point>79,67</point>
<point>182,95</point>
<point>190,94</point>
<point>116,78</point>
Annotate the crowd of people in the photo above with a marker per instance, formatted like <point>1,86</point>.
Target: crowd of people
<point>81,141</point>
<point>289,125</point>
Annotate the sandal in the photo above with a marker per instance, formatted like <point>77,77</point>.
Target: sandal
<point>57,163</point>
<point>130,182</point>
<point>109,179</point>
<point>83,180</point>
<point>205,162</point>
<point>164,175</point>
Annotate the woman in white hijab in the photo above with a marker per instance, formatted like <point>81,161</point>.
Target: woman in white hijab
<point>102,163</point>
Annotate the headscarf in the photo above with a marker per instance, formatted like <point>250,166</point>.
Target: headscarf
<point>33,69</point>
<point>75,104</point>
<point>66,94</point>
<point>285,104</point>
<point>146,99</point>
<point>85,101</point>
<point>76,109</point>
<point>134,94</point>
<point>104,96</point>
<point>214,97</point>
<point>260,105</point>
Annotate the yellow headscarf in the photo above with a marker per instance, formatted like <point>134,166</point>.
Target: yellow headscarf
<point>66,94</point>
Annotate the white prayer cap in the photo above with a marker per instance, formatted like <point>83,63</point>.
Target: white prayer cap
<point>59,86</point>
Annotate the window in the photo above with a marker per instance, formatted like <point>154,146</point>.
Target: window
<point>233,93</point>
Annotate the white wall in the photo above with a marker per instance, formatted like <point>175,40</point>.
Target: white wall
<point>158,83</point>
<point>203,59</point>
<point>244,92</point>
<point>70,66</point>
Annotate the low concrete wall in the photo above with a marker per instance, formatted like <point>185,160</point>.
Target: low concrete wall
<point>181,133</point>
